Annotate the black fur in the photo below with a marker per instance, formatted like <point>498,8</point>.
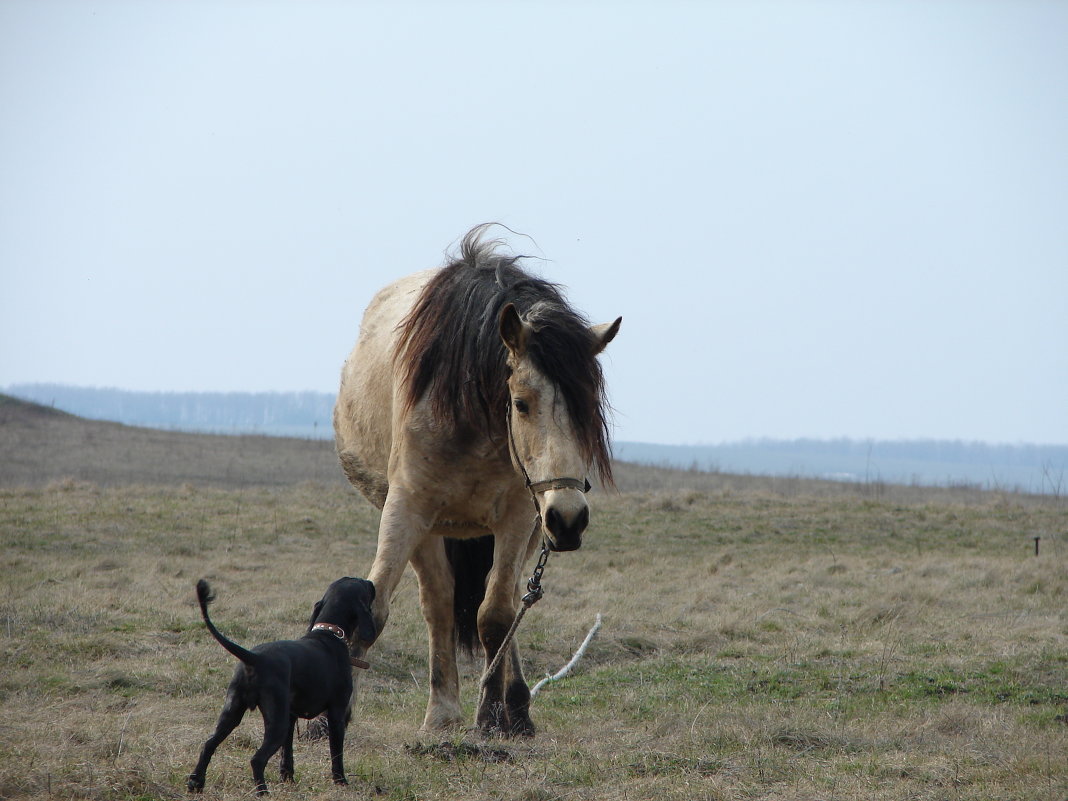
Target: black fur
<point>471,560</point>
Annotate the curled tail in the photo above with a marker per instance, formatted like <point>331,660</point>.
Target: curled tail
<point>205,596</point>
<point>471,561</point>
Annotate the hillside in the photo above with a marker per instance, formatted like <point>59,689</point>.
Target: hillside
<point>40,445</point>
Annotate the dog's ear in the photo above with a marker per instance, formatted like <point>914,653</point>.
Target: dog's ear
<point>315,614</point>
<point>367,624</point>
<point>367,632</point>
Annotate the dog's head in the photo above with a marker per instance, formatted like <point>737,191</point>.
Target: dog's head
<point>347,603</point>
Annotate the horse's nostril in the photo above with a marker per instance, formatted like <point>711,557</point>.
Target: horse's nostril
<point>553,521</point>
<point>582,520</point>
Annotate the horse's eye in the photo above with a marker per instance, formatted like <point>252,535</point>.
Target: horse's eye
<point>520,406</point>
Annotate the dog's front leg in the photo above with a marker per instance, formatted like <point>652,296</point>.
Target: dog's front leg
<point>335,720</point>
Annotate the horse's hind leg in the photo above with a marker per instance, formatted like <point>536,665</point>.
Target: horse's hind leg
<point>436,599</point>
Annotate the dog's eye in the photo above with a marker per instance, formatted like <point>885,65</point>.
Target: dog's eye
<point>520,406</point>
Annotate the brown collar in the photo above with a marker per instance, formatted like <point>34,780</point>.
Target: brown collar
<point>337,631</point>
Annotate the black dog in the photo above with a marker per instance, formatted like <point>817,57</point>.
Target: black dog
<point>288,679</point>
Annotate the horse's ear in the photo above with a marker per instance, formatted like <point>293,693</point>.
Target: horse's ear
<point>513,330</point>
<point>604,333</point>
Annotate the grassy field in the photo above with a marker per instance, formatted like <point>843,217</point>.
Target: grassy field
<point>761,639</point>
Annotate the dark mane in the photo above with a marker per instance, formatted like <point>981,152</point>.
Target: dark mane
<point>451,351</point>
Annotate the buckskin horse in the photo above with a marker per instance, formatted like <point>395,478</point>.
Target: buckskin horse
<point>472,388</point>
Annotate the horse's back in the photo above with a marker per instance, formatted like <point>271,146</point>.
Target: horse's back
<point>363,414</point>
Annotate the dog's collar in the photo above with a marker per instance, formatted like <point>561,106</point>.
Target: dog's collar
<point>337,631</point>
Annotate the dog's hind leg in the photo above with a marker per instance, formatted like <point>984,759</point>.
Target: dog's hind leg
<point>275,730</point>
<point>231,715</point>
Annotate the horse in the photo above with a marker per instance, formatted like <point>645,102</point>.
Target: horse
<point>471,389</point>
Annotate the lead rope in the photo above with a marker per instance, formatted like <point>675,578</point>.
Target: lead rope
<point>534,589</point>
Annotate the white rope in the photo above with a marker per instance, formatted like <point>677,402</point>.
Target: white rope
<point>574,660</point>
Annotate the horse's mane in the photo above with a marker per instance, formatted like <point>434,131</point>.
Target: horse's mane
<point>450,349</point>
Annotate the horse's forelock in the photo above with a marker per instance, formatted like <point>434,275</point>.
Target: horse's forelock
<point>451,352</point>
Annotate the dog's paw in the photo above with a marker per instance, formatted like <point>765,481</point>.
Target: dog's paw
<point>195,784</point>
<point>340,780</point>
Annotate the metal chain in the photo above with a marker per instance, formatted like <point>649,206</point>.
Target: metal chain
<point>534,594</point>
<point>534,590</point>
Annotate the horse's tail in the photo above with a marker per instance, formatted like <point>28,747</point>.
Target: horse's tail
<point>471,560</point>
<point>205,596</point>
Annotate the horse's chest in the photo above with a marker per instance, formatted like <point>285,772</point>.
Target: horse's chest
<point>471,508</point>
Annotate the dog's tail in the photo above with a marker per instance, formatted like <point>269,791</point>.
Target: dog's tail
<point>205,596</point>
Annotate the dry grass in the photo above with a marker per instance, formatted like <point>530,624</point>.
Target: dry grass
<point>755,645</point>
<point>762,638</point>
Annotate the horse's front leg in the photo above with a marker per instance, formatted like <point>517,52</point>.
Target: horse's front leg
<point>504,703</point>
<point>403,526</point>
<point>436,588</point>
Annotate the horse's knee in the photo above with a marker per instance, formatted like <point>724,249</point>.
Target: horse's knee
<point>493,626</point>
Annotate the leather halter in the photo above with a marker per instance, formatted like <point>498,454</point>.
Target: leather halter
<point>558,483</point>
<point>535,487</point>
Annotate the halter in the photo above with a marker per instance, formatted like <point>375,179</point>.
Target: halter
<point>535,487</point>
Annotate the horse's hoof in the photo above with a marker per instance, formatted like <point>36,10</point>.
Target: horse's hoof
<point>523,728</point>
<point>445,722</point>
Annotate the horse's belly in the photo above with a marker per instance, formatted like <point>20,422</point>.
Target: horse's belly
<point>459,529</point>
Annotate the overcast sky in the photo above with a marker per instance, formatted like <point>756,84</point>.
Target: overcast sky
<point>817,219</point>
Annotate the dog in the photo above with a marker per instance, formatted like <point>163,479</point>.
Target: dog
<point>288,679</point>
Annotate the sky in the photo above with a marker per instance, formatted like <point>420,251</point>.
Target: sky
<point>817,219</point>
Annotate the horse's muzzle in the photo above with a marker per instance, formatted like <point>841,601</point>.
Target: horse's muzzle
<point>565,532</point>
